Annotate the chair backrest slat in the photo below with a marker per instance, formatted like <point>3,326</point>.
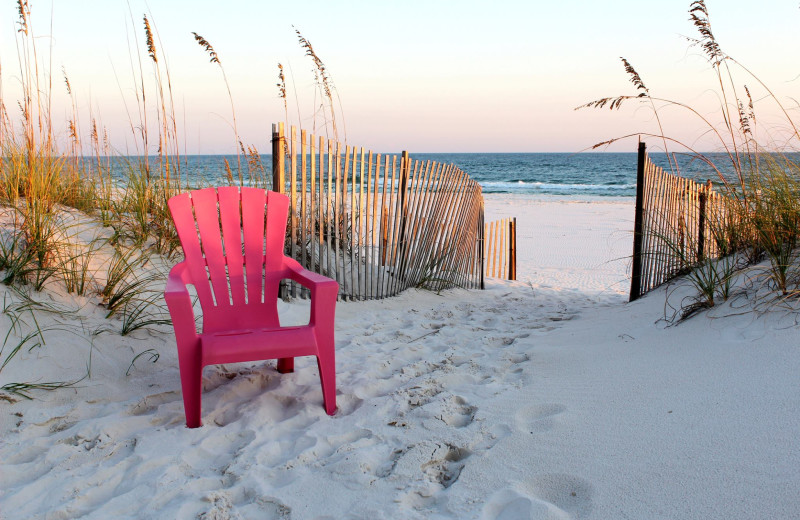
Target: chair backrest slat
<point>277,204</point>
<point>231,218</point>
<point>207,216</point>
<point>253,217</point>
<point>182,214</point>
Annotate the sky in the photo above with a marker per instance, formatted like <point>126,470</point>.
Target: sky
<point>422,76</point>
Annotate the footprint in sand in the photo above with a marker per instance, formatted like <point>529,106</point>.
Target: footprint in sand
<point>214,452</point>
<point>386,469</point>
<point>445,465</point>
<point>452,410</point>
<point>347,404</point>
<point>568,493</point>
<point>539,417</point>
<point>518,358</point>
<point>508,504</point>
<point>499,342</point>
<point>513,371</point>
<point>424,470</point>
<point>150,403</point>
<point>247,504</point>
<point>552,497</point>
<point>440,463</point>
<point>87,443</point>
<point>457,412</point>
<point>417,395</point>
<point>24,455</point>
<point>266,508</point>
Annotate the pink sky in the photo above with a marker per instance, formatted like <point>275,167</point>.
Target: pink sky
<point>422,76</point>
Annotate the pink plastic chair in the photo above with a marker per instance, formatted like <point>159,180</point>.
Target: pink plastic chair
<point>237,274</point>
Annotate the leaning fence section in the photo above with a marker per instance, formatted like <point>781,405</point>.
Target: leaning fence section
<point>377,224</point>
<point>500,249</point>
<point>678,223</point>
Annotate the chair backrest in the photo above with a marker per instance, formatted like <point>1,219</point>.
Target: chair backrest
<point>233,241</point>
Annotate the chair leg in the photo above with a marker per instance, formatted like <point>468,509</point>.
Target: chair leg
<point>286,365</point>
<point>326,362</point>
<point>191,385</point>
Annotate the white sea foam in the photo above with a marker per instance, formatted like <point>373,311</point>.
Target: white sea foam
<point>521,186</point>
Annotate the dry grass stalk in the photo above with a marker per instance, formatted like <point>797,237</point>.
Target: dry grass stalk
<point>327,89</point>
<point>214,58</point>
<point>282,91</point>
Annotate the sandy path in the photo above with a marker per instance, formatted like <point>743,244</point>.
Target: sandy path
<point>568,244</point>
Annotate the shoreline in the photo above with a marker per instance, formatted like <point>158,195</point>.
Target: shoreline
<point>565,199</point>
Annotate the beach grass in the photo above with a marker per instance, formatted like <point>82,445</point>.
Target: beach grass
<point>45,175</point>
<point>758,175</point>
<point>43,181</point>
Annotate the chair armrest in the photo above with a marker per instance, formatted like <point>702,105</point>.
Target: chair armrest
<point>179,302</point>
<point>324,292</point>
<point>309,279</point>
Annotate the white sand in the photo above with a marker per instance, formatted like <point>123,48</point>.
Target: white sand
<point>566,244</point>
<point>549,397</point>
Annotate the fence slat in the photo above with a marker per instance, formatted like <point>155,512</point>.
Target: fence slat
<point>303,201</point>
<point>384,239</point>
<point>369,229</point>
<point>392,229</point>
<point>293,222</point>
<point>352,214</point>
<point>360,232</point>
<point>345,239</point>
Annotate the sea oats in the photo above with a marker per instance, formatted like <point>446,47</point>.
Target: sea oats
<point>151,48</point>
<point>208,48</point>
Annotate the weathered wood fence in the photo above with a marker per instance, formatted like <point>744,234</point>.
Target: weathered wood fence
<point>678,222</point>
<point>377,224</point>
<point>500,249</point>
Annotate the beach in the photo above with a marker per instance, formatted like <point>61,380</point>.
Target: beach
<point>459,394</point>
<point>548,397</point>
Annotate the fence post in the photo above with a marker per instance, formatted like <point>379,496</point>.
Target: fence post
<point>683,209</point>
<point>482,244</point>
<point>405,172</point>
<point>278,181</point>
<point>701,224</point>
<point>636,268</point>
<point>278,159</point>
<point>512,249</point>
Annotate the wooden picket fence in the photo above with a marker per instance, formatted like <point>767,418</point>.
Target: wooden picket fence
<point>678,223</point>
<point>377,224</point>
<point>500,249</point>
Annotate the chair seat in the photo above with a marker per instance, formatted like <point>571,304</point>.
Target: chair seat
<point>232,346</point>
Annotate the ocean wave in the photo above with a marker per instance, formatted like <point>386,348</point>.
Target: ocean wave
<point>546,187</point>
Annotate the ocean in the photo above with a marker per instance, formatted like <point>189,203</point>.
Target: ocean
<point>564,174</point>
<point>572,175</point>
